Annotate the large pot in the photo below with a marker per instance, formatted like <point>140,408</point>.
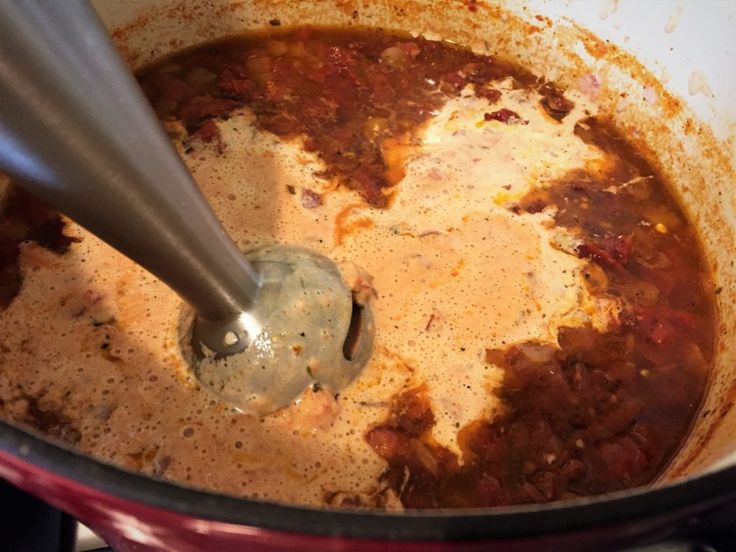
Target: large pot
<point>691,122</point>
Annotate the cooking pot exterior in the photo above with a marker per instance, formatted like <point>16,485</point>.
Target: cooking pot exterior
<point>133,513</point>
<point>136,513</point>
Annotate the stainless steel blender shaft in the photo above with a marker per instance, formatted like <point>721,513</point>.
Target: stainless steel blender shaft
<point>76,130</point>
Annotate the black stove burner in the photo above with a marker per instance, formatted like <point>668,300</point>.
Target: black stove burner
<point>29,525</point>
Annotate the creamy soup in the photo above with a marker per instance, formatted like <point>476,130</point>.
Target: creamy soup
<point>544,317</point>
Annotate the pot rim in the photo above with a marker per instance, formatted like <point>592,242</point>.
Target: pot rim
<point>679,498</point>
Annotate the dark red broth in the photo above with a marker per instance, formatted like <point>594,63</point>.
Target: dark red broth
<point>344,92</point>
<point>601,412</point>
